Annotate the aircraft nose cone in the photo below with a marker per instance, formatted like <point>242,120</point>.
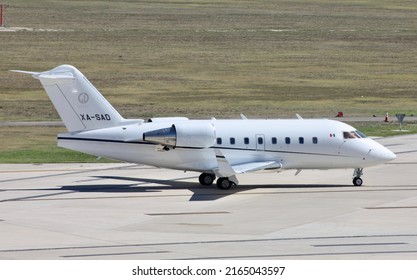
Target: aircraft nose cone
<point>391,156</point>
<point>382,155</point>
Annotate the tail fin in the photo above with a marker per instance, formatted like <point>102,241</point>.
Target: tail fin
<point>79,104</point>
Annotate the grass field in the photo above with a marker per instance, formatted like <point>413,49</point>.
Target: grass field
<point>202,58</point>
<point>37,145</point>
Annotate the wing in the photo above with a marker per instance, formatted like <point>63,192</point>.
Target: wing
<point>256,166</point>
<point>225,169</point>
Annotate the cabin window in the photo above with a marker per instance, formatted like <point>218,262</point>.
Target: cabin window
<point>315,140</point>
<point>274,140</point>
<point>301,140</point>
<point>246,140</point>
<point>260,140</point>
<point>232,141</point>
<point>219,141</point>
<point>287,140</point>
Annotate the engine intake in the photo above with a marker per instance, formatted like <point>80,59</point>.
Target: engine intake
<point>193,134</point>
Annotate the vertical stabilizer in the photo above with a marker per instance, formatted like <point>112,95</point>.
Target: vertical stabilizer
<point>79,104</point>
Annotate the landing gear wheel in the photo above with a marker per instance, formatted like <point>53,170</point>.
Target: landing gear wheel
<point>357,181</point>
<point>206,179</point>
<point>224,183</point>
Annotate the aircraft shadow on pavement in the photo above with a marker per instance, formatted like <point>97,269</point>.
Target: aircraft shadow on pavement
<point>200,193</point>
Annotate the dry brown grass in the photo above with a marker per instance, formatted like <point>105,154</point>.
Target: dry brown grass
<point>202,58</point>
<point>205,58</point>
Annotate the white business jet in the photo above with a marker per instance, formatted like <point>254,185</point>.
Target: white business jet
<point>216,148</point>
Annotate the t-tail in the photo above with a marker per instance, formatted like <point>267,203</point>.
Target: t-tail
<point>79,104</point>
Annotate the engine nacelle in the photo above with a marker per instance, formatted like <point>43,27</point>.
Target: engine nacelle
<point>193,134</point>
<point>196,134</point>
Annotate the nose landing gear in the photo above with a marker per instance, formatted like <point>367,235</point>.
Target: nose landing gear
<point>357,180</point>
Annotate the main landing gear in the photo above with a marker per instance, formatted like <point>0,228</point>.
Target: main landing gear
<point>223,183</point>
<point>206,179</point>
<point>357,173</point>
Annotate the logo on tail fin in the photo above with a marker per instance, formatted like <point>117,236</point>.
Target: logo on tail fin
<point>83,98</point>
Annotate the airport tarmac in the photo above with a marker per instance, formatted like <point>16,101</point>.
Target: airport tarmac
<point>126,211</point>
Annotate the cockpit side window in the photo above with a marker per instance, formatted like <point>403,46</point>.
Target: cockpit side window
<point>353,134</point>
<point>349,135</point>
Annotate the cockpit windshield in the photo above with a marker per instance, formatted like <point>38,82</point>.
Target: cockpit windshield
<point>361,134</point>
<point>353,134</point>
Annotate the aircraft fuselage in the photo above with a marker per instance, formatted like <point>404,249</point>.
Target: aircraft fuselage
<point>293,144</point>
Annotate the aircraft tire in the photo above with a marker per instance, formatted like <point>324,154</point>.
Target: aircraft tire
<point>224,183</point>
<point>357,181</point>
<point>206,179</point>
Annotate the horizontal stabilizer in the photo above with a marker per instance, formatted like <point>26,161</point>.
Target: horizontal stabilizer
<point>47,75</point>
<point>55,76</point>
<point>25,72</point>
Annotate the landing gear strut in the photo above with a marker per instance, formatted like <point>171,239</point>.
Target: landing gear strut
<point>357,173</point>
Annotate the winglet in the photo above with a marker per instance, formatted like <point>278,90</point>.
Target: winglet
<point>224,169</point>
